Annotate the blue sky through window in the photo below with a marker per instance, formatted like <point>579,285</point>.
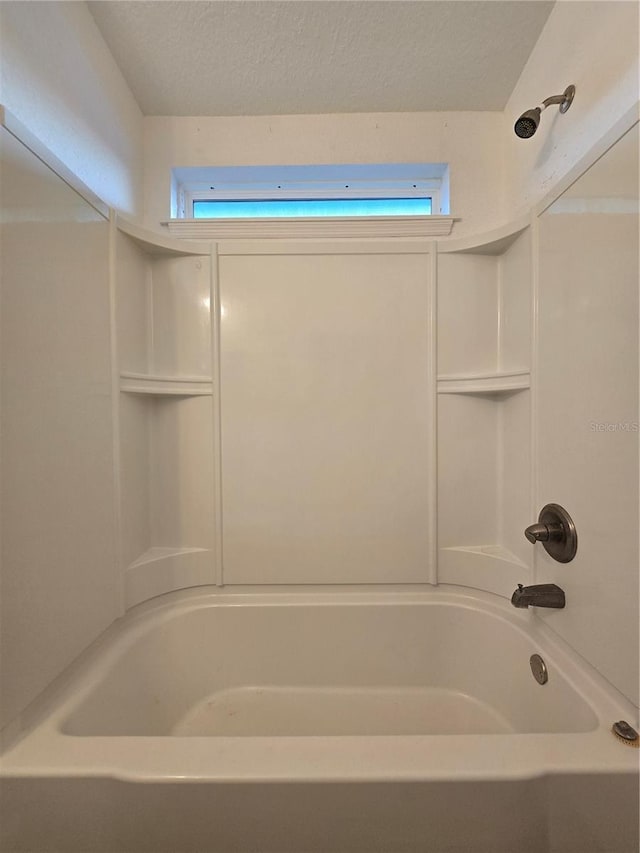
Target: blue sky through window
<point>204,209</point>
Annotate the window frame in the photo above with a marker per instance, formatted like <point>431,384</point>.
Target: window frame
<point>332,181</point>
<point>338,192</point>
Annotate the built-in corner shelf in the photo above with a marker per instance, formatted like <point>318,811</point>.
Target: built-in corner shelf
<point>494,384</point>
<point>165,386</point>
<point>157,553</point>
<point>162,569</point>
<point>493,242</point>
<point>490,567</point>
<point>490,552</point>
<point>156,243</point>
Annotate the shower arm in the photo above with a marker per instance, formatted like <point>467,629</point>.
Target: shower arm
<point>564,100</point>
<point>555,99</point>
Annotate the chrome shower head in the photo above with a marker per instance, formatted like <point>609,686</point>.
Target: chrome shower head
<point>528,122</point>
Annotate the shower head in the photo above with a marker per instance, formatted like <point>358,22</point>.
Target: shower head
<point>528,122</point>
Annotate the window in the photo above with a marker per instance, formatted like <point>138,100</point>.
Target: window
<point>358,190</point>
<point>329,201</point>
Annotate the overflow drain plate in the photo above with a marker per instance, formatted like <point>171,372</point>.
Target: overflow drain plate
<point>539,669</point>
<point>626,733</point>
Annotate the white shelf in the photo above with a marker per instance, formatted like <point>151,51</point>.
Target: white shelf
<point>503,382</point>
<point>490,567</point>
<point>494,242</point>
<point>153,555</point>
<point>155,243</point>
<point>163,386</point>
<point>162,569</point>
<point>492,552</point>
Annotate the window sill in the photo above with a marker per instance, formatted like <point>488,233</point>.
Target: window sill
<point>310,228</point>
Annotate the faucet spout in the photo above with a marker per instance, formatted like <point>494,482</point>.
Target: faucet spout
<point>539,595</point>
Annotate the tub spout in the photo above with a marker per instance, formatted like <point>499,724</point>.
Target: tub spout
<point>539,595</point>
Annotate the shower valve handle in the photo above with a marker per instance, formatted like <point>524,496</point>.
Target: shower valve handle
<point>537,533</point>
<point>557,532</point>
<point>543,532</point>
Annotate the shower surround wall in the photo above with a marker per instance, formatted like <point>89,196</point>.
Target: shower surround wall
<point>587,424</point>
<point>59,565</point>
<point>327,413</point>
<point>300,448</point>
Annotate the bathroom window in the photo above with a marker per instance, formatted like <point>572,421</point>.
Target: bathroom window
<point>357,190</point>
<point>288,202</point>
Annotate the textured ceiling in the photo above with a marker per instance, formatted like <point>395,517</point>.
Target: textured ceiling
<point>241,57</point>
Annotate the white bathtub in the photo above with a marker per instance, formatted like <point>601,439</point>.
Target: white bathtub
<point>215,721</point>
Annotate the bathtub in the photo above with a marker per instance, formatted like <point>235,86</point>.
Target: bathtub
<point>288,722</point>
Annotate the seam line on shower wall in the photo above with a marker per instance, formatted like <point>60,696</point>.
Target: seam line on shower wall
<point>216,384</point>
<point>115,413</point>
<point>500,467</point>
<point>533,377</point>
<point>432,373</point>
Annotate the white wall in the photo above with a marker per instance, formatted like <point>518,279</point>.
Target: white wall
<point>593,45</point>
<point>471,142</point>
<point>586,329</point>
<point>59,583</point>
<point>59,79</point>
<point>587,408</point>
<point>326,417</point>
